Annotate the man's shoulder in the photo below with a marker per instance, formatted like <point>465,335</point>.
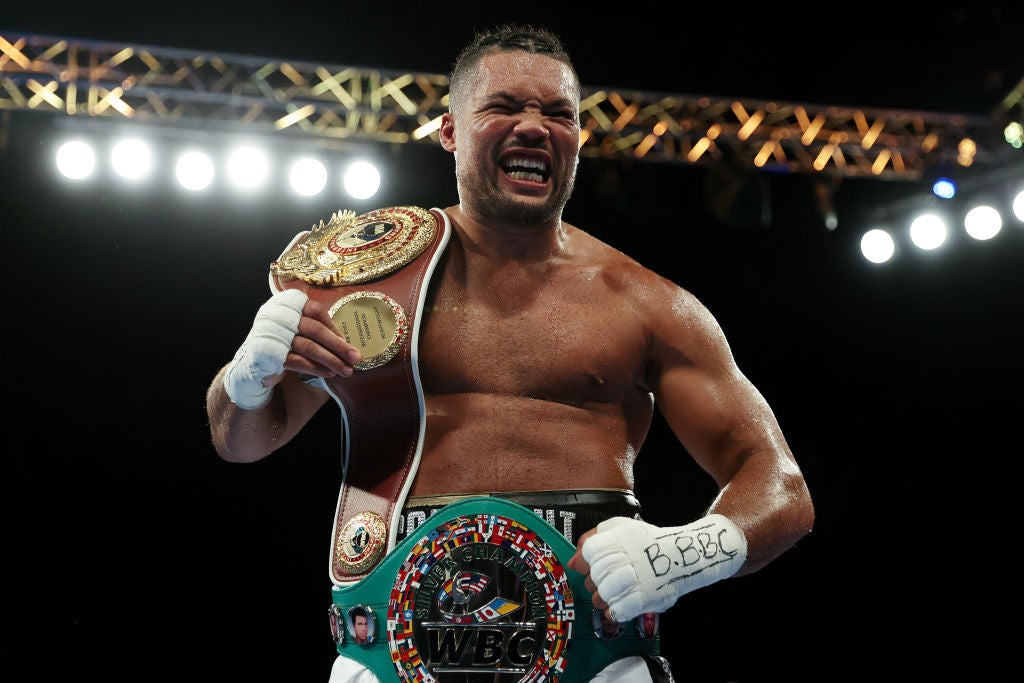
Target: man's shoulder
<point>650,294</point>
<point>618,265</point>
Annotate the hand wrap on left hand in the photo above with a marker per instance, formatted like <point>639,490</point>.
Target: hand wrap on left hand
<point>638,567</point>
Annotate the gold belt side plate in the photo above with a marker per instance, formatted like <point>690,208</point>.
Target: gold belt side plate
<point>351,249</point>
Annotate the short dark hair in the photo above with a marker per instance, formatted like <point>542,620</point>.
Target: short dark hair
<point>506,38</point>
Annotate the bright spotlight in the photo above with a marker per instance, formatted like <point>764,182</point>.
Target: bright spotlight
<point>1018,206</point>
<point>75,159</point>
<point>928,231</point>
<point>362,180</point>
<point>308,177</point>
<point>248,168</point>
<point>131,159</point>
<point>983,222</point>
<point>877,245</point>
<point>194,170</point>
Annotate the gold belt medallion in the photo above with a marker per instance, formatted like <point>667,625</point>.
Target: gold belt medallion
<point>350,249</point>
<point>361,541</point>
<point>374,323</point>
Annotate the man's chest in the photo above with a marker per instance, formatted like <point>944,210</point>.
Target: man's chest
<point>568,344</point>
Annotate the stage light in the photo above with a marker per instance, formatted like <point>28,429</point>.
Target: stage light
<point>1014,134</point>
<point>877,245</point>
<point>194,170</point>
<point>928,231</point>
<point>1018,206</point>
<point>944,188</point>
<point>131,159</point>
<point>248,168</point>
<point>983,222</point>
<point>982,206</point>
<point>362,180</point>
<point>76,159</point>
<point>966,152</point>
<point>308,176</point>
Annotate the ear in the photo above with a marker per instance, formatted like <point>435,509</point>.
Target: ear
<point>447,132</point>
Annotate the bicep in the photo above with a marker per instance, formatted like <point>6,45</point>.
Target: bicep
<point>717,414</point>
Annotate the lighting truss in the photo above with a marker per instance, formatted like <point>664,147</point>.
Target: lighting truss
<point>207,91</point>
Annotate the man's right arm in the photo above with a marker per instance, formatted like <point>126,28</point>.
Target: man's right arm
<point>258,402</point>
<point>241,435</point>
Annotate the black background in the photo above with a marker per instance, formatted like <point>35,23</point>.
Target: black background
<point>130,551</point>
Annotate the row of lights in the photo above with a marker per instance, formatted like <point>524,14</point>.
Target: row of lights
<point>246,167</point>
<point>930,228</point>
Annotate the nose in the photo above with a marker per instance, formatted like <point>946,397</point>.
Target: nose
<point>531,126</point>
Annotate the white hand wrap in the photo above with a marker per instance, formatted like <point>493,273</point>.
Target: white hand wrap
<point>263,352</point>
<point>638,567</point>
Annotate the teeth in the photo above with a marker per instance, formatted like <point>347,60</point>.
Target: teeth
<point>524,175</point>
<point>526,169</point>
<point>528,163</point>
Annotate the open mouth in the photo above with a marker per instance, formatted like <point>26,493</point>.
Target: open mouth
<point>532,170</point>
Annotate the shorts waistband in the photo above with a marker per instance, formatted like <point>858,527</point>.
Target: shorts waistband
<point>571,511</point>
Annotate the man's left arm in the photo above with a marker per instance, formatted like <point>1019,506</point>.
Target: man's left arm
<point>724,423</point>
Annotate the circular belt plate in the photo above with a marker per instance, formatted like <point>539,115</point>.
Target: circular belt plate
<point>361,542</point>
<point>374,323</point>
<point>480,593</point>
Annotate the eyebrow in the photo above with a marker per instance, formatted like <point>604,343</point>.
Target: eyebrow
<point>508,97</point>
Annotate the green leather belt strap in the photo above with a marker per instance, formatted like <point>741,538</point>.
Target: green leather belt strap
<point>481,587</point>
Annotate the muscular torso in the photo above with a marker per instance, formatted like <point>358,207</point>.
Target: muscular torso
<point>533,374</point>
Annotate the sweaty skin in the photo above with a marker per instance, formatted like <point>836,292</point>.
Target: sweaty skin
<point>543,349</point>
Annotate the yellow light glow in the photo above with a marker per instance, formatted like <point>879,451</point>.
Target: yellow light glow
<point>427,128</point>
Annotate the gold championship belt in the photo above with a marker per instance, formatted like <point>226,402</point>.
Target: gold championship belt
<point>372,272</point>
<point>350,250</point>
<point>480,592</point>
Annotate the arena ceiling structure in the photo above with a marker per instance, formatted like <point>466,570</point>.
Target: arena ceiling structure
<point>972,134</point>
<point>207,90</point>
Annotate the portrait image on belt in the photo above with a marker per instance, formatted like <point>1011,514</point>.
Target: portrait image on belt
<point>648,624</point>
<point>361,624</point>
<point>605,626</point>
<point>446,403</point>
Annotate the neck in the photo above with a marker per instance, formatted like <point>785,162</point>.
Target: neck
<point>540,242</point>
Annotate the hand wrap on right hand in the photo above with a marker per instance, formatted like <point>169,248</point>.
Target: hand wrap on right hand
<point>638,567</point>
<point>263,352</point>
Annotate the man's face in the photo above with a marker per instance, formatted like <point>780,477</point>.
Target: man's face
<point>362,627</point>
<point>516,136</point>
<point>650,621</point>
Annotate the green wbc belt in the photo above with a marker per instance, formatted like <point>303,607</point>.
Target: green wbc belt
<point>480,592</point>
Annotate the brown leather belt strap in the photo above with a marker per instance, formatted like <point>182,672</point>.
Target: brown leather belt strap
<point>382,408</point>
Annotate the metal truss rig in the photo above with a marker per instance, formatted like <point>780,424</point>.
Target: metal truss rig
<point>202,91</point>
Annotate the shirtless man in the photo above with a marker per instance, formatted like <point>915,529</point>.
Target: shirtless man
<point>542,346</point>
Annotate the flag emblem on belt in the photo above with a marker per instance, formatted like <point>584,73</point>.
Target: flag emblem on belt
<point>481,593</point>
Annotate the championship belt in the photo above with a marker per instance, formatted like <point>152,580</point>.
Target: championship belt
<point>480,592</point>
<point>372,271</point>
